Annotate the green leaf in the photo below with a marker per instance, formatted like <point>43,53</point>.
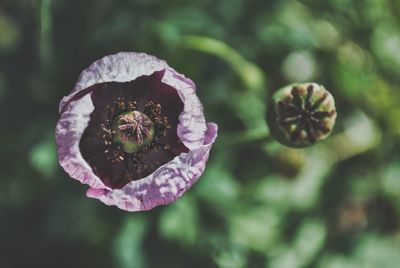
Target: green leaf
<point>43,158</point>
<point>179,221</point>
<point>127,244</point>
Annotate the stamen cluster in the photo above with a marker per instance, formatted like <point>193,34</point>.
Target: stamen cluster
<point>143,129</point>
<point>136,125</point>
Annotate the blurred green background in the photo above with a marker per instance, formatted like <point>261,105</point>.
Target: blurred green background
<point>259,204</point>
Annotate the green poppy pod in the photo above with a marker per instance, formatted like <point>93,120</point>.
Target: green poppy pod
<point>301,114</point>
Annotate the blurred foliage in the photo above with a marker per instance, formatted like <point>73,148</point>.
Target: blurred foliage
<point>259,204</point>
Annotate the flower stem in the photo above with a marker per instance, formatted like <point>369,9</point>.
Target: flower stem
<point>45,42</point>
<point>250,102</point>
<point>251,75</point>
<point>246,137</point>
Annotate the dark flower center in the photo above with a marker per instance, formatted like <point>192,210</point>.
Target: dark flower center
<point>132,130</point>
<point>130,133</point>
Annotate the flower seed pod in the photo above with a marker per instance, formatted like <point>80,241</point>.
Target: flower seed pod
<point>301,114</point>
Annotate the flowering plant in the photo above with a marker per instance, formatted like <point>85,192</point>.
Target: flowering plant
<point>133,129</point>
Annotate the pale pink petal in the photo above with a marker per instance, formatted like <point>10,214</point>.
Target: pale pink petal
<point>69,131</point>
<point>192,126</point>
<point>120,67</point>
<point>169,181</point>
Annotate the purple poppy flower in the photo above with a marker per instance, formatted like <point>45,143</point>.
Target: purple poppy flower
<point>133,129</point>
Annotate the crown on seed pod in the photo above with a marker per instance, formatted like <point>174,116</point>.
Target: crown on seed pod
<point>301,114</point>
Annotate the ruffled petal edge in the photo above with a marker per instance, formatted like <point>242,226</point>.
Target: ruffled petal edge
<point>120,67</point>
<point>192,124</point>
<point>69,130</point>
